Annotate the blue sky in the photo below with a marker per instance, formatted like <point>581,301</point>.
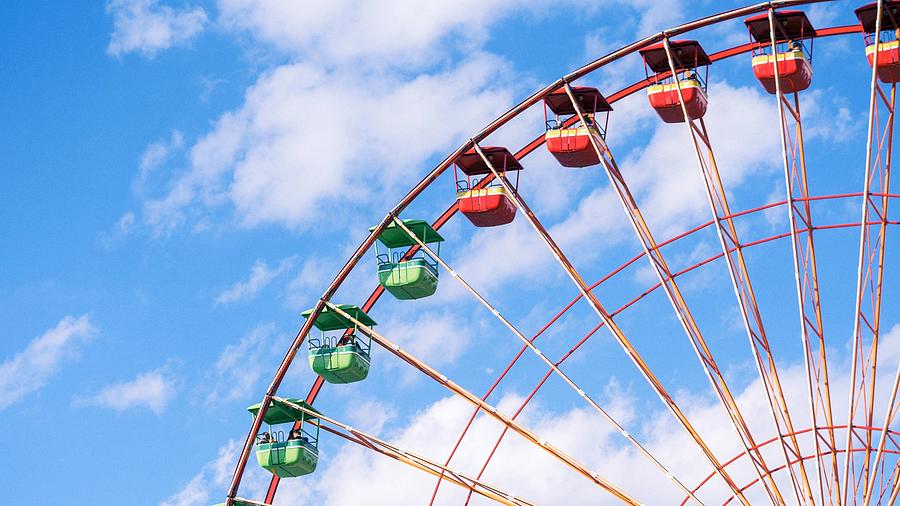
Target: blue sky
<point>181,179</point>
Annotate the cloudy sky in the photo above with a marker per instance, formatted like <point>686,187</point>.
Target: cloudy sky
<point>180,179</point>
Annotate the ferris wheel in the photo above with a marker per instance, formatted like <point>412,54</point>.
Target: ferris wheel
<point>848,454</point>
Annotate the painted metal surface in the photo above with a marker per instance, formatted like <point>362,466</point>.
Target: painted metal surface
<point>432,176</point>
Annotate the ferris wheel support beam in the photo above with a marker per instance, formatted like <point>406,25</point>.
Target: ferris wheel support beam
<point>670,286</point>
<point>553,367</point>
<point>432,373</point>
<point>746,298</point>
<point>894,479</point>
<point>806,277</point>
<point>889,415</point>
<point>870,273</point>
<point>611,325</point>
<point>407,457</point>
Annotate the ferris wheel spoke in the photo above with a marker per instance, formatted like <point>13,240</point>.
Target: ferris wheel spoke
<point>746,298</point>
<point>673,293</point>
<point>610,324</point>
<point>531,395</point>
<point>803,252</point>
<point>870,273</point>
<point>553,367</point>
<point>615,313</point>
<point>889,416</point>
<point>432,373</point>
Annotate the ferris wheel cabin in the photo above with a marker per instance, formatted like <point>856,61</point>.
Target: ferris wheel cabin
<point>291,454</point>
<point>793,50</point>
<point>339,356</point>
<point>408,277</point>
<point>570,140</point>
<point>486,204</point>
<point>688,58</point>
<point>885,42</point>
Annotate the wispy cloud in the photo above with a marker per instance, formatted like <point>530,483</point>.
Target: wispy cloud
<point>240,365</point>
<point>437,338</point>
<point>260,277</point>
<point>115,235</point>
<point>257,157</point>
<point>214,476</point>
<point>310,278</point>
<point>156,153</point>
<point>31,369</point>
<point>146,27</point>
<point>150,390</point>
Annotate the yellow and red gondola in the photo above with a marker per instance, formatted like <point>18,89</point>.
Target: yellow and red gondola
<point>486,205</point>
<point>689,60</point>
<point>794,35</point>
<point>885,42</point>
<point>571,144</point>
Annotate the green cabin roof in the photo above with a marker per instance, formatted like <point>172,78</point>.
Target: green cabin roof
<point>279,412</point>
<point>331,320</point>
<point>395,237</point>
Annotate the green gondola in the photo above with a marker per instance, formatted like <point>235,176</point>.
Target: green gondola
<point>287,459</point>
<point>294,455</point>
<point>343,358</point>
<point>408,278</point>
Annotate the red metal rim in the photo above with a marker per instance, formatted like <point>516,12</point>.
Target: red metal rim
<point>634,47</point>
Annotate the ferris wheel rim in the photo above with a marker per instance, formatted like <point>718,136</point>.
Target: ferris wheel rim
<point>840,30</point>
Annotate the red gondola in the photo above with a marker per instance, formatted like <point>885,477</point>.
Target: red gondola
<point>688,57</point>
<point>571,144</point>
<point>793,56</point>
<point>887,45</point>
<point>489,205</point>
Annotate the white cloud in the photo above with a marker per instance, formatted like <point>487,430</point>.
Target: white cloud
<point>493,257</point>
<point>240,366</point>
<point>655,17</point>
<point>309,145</point>
<point>29,370</point>
<point>260,277</point>
<point>302,289</point>
<point>436,338</point>
<point>147,27</point>
<point>121,229</point>
<point>370,416</point>
<point>432,431</point>
<point>157,153</point>
<point>209,484</point>
<point>150,390</point>
<point>827,116</point>
<point>297,153</point>
<point>387,32</point>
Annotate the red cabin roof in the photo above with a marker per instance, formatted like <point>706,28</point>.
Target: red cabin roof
<point>687,54</point>
<point>559,102</point>
<point>789,25</point>
<point>890,18</point>
<point>471,163</point>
